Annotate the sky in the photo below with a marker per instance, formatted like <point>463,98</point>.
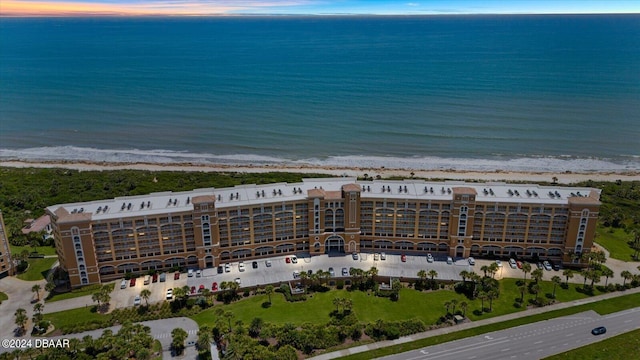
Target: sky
<point>309,7</point>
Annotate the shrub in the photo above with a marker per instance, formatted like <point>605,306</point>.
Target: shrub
<point>356,333</point>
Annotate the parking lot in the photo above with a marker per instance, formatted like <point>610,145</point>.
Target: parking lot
<point>281,271</point>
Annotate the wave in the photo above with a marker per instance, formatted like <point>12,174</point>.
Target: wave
<point>561,163</point>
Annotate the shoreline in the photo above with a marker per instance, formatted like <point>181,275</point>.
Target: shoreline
<point>383,172</point>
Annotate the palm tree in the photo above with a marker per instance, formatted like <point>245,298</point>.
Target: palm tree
<point>50,286</point>
<point>178,336</point>
<point>535,288</point>
<point>464,274</point>
<point>269,290</point>
<point>447,304</point>
<point>97,297</point>
<point>454,303</point>
<point>493,269</point>
<point>492,294</point>
<point>568,274</point>
<point>607,273</point>
<point>36,289</point>
<point>422,274</point>
<point>337,302</point>
<point>204,337</point>
<point>463,307</point>
<point>476,279</point>
<point>179,292</point>
<point>526,268</point>
<point>482,295</point>
<point>432,273</point>
<point>536,275</point>
<point>373,272</point>
<point>484,268</point>
<point>522,288</point>
<point>21,318</point>
<point>556,281</point>
<point>347,304</point>
<point>37,312</point>
<point>626,275</point>
<point>145,294</point>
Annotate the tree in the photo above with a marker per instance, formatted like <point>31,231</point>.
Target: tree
<point>21,318</point>
<point>607,273</point>
<point>626,275</point>
<point>492,294</point>
<point>50,286</point>
<point>464,274</point>
<point>37,312</point>
<point>526,268</point>
<point>432,273</point>
<point>535,288</point>
<point>178,336</point>
<point>484,268</point>
<point>463,307</point>
<point>522,288</point>
<point>97,297</point>
<point>568,274</point>
<point>256,327</point>
<point>145,294</point>
<point>536,275</point>
<point>337,302</point>
<point>447,305</point>
<point>422,274</point>
<point>554,180</point>
<point>269,290</point>
<point>454,303</point>
<point>482,295</point>
<point>36,289</point>
<point>493,269</point>
<point>204,337</point>
<point>556,281</point>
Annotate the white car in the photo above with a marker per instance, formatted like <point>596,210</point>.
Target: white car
<point>241,266</point>
<point>449,260</point>
<point>429,258</point>
<point>376,257</point>
<point>137,300</point>
<point>499,263</point>
<point>169,294</point>
<point>512,263</point>
<point>296,274</point>
<point>547,265</point>
<point>472,261</point>
<point>383,256</point>
<point>294,259</point>
<point>227,267</point>
<point>238,281</point>
<point>267,263</point>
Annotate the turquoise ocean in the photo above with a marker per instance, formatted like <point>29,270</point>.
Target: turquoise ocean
<point>531,93</point>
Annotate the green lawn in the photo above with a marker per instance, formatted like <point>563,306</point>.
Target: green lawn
<point>615,241</point>
<point>616,348</point>
<point>412,304</point>
<point>45,250</point>
<point>602,307</point>
<point>3,297</point>
<point>38,269</point>
<point>73,316</point>
<point>86,290</point>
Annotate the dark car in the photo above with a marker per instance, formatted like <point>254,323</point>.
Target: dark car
<point>193,289</point>
<point>599,330</point>
<point>220,269</point>
<point>176,276</point>
<point>154,278</point>
<point>254,264</point>
<point>132,282</point>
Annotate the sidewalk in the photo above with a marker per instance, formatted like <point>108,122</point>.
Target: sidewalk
<point>470,325</point>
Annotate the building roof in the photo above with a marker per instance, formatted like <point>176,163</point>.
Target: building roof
<point>328,188</point>
<point>37,225</point>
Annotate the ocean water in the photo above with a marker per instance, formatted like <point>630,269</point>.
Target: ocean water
<point>550,93</point>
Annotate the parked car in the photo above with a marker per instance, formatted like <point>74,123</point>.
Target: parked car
<point>136,300</point>
<point>163,277</point>
<point>499,263</point>
<point>539,264</point>
<point>556,267</point>
<point>383,256</point>
<point>169,294</point>
<point>547,266</point>
<point>193,289</point>
<point>296,274</point>
<point>309,272</point>
<point>331,272</point>
<point>220,269</point>
<point>238,281</point>
<point>449,260</point>
<point>294,259</point>
<point>198,273</point>
<point>403,257</point>
<point>287,260</point>
<point>176,276</point>
<point>519,264</point>
<point>227,268</point>
<point>190,273</point>
<point>599,330</point>
<point>154,278</point>
<point>241,266</point>
<point>512,263</point>
<point>254,264</point>
<point>376,257</point>
<point>123,284</point>
<point>345,272</point>
<point>267,263</point>
<point>147,279</point>
<point>429,258</point>
<point>214,286</point>
<point>354,256</point>
<point>132,282</point>
<point>471,260</point>
<point>201,288</point>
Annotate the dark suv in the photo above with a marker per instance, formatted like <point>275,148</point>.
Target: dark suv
<point>599,330</point>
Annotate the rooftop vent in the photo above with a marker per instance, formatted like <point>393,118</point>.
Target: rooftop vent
<point>485,191</point>
<point>142,205</point>
<point>129,206</point>
<point>491,191</point>
<point>528,192</point>
<point>188,200</point>
<point>516,192</point>
<point>535,193</point>
<point>448,190</point>
<point>104,210</point>
<point>99,208</point>
<point>431,190</point>
<point>551,195</point>
<point>219,197</point>
<point>279,192</point>
<point>262,192</point>
<point>510,192</point>
<point>124,205</point>
<point>149,203</point>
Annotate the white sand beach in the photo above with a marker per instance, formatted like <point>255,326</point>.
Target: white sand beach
<point>498,175</point>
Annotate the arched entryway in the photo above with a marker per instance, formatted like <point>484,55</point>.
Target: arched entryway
<point>334,244</point>
<point>460,251</point>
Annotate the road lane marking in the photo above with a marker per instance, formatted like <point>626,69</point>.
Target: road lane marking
<point>569,335</point>
<point>537,342</point>
<point>507,349</point>
<point>461,349</point>
<point>628,321</point>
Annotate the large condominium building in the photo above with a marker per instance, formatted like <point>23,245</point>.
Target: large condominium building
<point>6,265</point>
<point>102,240</point>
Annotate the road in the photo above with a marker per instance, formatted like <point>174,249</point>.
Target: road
<point>532,341</point>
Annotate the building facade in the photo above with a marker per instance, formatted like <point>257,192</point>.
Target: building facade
<point>103,240</point>
<point>6,264</point>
